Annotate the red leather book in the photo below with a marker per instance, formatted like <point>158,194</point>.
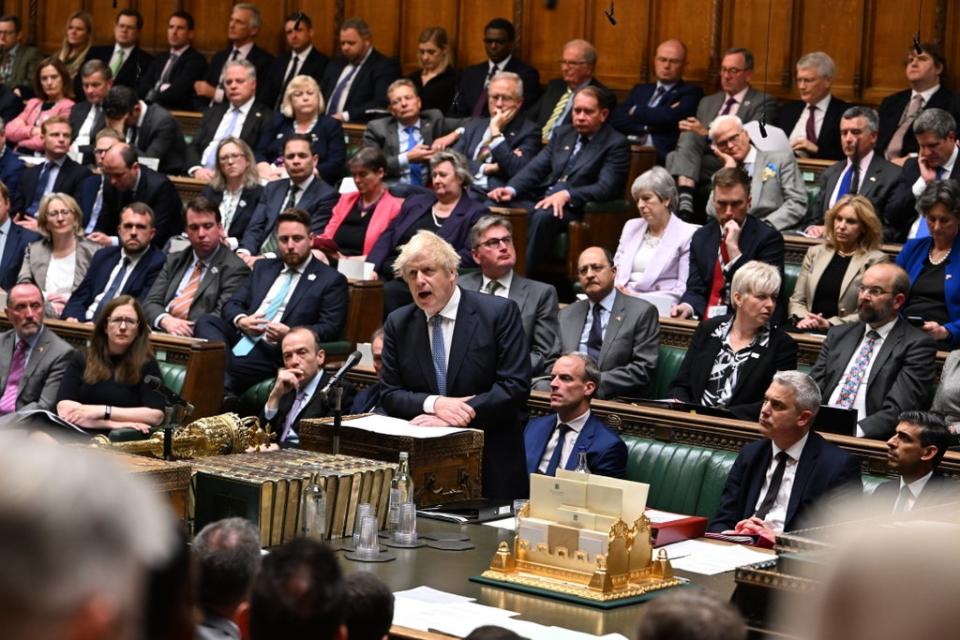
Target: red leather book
<point>677,529</point>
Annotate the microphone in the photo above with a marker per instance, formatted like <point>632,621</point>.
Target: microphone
<point>352,360</point>
<point>609,14</point>
<point>170,396</point>
<point>299,19</point>
<point>916,43</point>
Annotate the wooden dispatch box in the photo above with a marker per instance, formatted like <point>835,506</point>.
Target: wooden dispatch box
<point>444,470</point>
<point>172,479</point>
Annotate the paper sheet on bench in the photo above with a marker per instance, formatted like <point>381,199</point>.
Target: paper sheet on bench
<point>709,559</point>
<point>398,427</point>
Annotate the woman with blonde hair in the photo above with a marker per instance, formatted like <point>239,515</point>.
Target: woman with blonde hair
<point>77,40</point>
<point>235,187</point>
<point>436,79</point>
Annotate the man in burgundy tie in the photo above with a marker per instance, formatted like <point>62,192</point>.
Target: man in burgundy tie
<point>32,358</point>
<point>812,123</point>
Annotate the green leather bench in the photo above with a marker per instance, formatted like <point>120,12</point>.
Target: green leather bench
<point>669,360</point>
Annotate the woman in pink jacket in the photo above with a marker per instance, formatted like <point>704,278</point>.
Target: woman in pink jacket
<point>53,89</point>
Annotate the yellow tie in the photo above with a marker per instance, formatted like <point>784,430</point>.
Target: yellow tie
<point>555,115</point>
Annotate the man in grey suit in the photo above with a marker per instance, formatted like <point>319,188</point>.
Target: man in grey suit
<point>900,358</point>
<point>406,137</point>
<point>692,162</point>
<point>198,280</point>
<point>32,357</point>
<point>491,243</point>
<point>777,194</point>
<point>149,127</point>
<point>619,332</point>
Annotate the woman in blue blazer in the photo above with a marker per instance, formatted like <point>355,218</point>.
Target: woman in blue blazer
<point>933,263</point>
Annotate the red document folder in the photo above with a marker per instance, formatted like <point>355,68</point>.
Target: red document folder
<point>678,529</point>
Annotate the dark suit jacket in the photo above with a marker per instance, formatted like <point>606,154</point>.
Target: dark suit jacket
<point>519,135</point>
<point>606,452</point>
<point>631,342</point>
<point>938,490</point>
<point>318,407</point>
<point>368,400</point>
<point>634,118</point>
<point>473,78</point>
<point>11,171</point>
<point>225,274</point>
<point>259,58</point>
<point>256,123</point>
<point>41,377</point>
<point>823,469</point>
<point>98,278</point>
<point>597,174</point>
<point>10,104</point>
<point>538,312</point>
<point>317,200</point>
<point>901,209</point>
<point>180,95</point>
<point>25,62</point>
<point>758,241</point>
<point>755,375</point>
<point>540,111</point>
<point>327,142</point>
<point>383,133</point>
<point>86,196</point>
<point>319,301</point>
<point>68,180</point>
<point>160,136</point>
<point>249,199</point>
<point>367,98</point>
<point>488,360</point>
<point>877,185</point>
<point>129,74</point>
<point>313,66</point>
<point>892,108</point>
<point>901,376</point>
<point>13,251</point>
<point>828,142</point>
<point>456,230</point>
<point>156,190</point>
<point>78,114</point>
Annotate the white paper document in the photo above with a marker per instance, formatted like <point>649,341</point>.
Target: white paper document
<point>398,427</point>
<point>709,558</point>
<point>507,523</point>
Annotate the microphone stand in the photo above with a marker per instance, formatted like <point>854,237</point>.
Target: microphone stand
<point>169,411</point>
<point>337,393</point>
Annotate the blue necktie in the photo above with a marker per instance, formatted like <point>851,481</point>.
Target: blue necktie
<point>95,212</point>
<point>332,106</point>
<point>564,429</point>
<point>41,187</point>
<point>439,355</point>
<point>416,169</point>
<point>845,182</point>
<point>245,345</point>
<point>114,287</point>
<point>657,95</point>
<point>922,230</point>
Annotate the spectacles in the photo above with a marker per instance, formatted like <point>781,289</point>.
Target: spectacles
<point>731,71</point>
<point>60,213</point>
<point>133,322</point>
<point>230,157</point>
<point>493,243</point>
<point>873,292</point>
<point>731,139</point>
<point>571,63</point>
<point>587,268</point>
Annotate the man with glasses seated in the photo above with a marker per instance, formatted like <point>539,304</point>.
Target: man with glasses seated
<point>882,365</point>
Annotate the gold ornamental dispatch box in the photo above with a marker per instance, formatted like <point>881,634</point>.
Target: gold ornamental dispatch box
<point>267,489</point>
<point>444,469</point>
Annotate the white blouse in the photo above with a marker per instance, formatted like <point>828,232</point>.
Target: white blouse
<point>60,273</point>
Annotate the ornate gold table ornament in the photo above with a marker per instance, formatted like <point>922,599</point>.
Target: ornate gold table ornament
<point>214,435</point>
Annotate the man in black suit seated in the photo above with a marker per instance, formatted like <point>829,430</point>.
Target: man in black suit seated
<point>127,181</point>
<point>555,107</point>
<point>148,127</point>
<point>127,269</point>
<point>499,40</point>
<point>126,60</point>
<point>170,78</point>
<point>57,173</point>
<point>11,167</point>
<point>90,193</point>
<point>812,123</point>
<point>242,30</point>
<point>776,481</point>
<point>897,112</point>
<point>653,111</point>
<point>915,451</point>
<point>725,244</point>
<point>86,117</point>
<point>290,290</point>
<point>863,172</point>
<point>354,84</point>
<point>881,365</point>
<point>586,162</point>
<point>241,115</point>
<point>297,392</point>
<point>302,58</point>
<point>460,358</point>
<point>197,280</point>
<point>491,242</point>
<point>369,400</point>
<point>939,159</point>
<point>16,238</point>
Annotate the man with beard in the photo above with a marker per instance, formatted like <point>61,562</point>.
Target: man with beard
<point>290,290</point>
<point>882,365</point>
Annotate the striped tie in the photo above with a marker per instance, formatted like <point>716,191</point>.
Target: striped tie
<point>180,307</point>
<point>558,109</point>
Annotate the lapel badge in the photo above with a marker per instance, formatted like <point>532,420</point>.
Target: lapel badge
<point>214,270</point>
<point>243,203</point>
<point>948,277</point>
<point>311,277</point>
<point>873,178</point>
<point>618,318</point>
<point>566,147</point>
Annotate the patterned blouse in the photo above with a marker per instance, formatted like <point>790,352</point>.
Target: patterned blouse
<point>726,368</point>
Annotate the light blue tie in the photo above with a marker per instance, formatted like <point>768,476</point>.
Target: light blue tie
<point>212,148</point>
<point>416,169</point>
<point>245,345</point>
<point>333,106</point>
<point>439,355</point>
<point>95,212</point>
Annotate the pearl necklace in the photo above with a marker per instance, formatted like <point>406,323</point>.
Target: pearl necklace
<point>941,260</point>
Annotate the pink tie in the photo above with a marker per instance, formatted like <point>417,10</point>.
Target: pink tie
<point>8,403</point>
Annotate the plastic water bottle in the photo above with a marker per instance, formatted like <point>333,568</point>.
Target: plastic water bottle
<point>315,509</point>
<point>582,462</point>
<point>401,491</point>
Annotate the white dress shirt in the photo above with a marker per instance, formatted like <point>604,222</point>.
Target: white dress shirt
<point>864,165</point>
<point>800,129</point>
<point>606,307</point>
<point>914,488</point>
<point>569,440</point>
<point>338,108</point>
<point>777,515</point>
<point>504,290</point>
<point>860,402</point>
<point>134,259</point>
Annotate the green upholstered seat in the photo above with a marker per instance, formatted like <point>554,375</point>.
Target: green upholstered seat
<point>253,399</point>
<point>790,274</point>
<point>173,375</point>
<point>668,364</point>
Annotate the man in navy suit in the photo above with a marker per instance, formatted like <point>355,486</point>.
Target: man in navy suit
<point>587,162</point>
<point>777,480</point>
<point>355,83</point>
<point>169,79</point>
<point>459,358</point>
<point>126,60</point>
<point>812,123</point>
<point>86,117</point>
<point>11,168</point>
<point>499,40</point>
<point>127,269</point>
<point>555,441</point>
<point>302,189</point>
<point>58,173</point>
<point>302,59</point>
<point>653,111</point>
<point>89,194</point>
<point>291,290</point>
<point>242,30</point>
<point>14,239</point>
<point>915,451</point>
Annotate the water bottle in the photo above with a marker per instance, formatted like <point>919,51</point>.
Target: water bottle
<point>582,462</point>
<point>315,508</point>
<point>401,491</point>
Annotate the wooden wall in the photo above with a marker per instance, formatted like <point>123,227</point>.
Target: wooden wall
<point>867,38</point>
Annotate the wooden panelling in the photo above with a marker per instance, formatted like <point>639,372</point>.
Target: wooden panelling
<point>628,34</point>
<point>384,21</point>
